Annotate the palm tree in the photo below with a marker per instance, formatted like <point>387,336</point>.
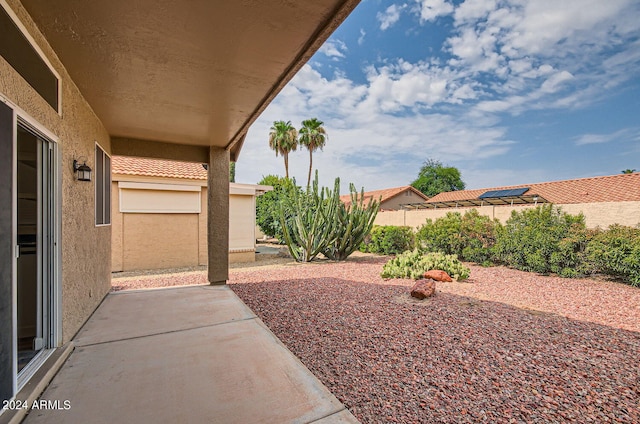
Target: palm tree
<point>313,137</point>
<point>283,138</point>
<point>628,171</point>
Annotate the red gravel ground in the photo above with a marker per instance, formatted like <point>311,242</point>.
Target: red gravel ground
<point>507,346</point>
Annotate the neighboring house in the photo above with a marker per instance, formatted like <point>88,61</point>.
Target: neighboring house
<point>159,215</point>
<point>391,199</point>
<point>82,81</point>
<point>603,201</point>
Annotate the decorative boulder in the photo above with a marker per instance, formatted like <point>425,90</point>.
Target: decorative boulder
<point>438,275</point>
<point>423,289</point>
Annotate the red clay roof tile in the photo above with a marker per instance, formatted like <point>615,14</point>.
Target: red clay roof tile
<point>126,165</point>
<point>612,188</point>
<point>384,194</point>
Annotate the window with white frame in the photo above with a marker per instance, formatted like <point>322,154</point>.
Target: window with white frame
<point>103,187</point>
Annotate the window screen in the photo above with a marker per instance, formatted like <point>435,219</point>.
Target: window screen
<point>103,187</point>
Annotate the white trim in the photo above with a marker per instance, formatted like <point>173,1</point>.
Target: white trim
<point>36,47</point>
<point>242,250</point>
<point>116,177</point>
<point>54,307</point>
<point>158,186</point>
<point>32,367</point>
<point>14,242</point>
<point>29,120</point>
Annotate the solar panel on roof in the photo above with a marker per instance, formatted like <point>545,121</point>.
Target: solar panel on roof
<point>504,193</point>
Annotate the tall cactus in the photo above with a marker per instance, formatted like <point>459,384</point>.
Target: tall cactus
<point>316,221</point>
<point>353,223</point>
<point>311,215</point>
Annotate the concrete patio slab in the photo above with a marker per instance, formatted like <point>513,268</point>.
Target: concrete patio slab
<point>136,313</point>
<point>207,358</point>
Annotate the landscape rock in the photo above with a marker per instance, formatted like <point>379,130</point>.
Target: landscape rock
<point>438,275</point>
<point>423,289</point>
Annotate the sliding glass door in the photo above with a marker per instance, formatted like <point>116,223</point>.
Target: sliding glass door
<point>34,268</point>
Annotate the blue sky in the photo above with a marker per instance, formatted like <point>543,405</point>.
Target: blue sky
<point>507,91</point>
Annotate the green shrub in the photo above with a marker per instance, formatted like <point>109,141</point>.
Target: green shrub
<point>441,235</point>
<point>542,240</point>
<point>413,264</point>
<point>477,237</point>
<point>268,205</point>
<point>389,240</point>
<point>470,236</point>
<point>616,251</point>
<point>570,258</point>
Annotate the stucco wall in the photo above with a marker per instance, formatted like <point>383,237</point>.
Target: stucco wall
<point>166,240</point>
<point>159,240</point>
<point>117,225</point>
<point>402,198</point>
<point>242,212</point>
<point>596,214</point>
<point>86,249</point>
<point>203,257</point>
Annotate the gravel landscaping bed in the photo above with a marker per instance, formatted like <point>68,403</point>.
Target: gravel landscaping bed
<point>465,355</point>
<point>505,346</point>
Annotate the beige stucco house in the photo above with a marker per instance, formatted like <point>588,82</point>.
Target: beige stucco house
<point>391,199</point>
<point>82,81</point>
<point>159,215</point>
<point>605,200</point>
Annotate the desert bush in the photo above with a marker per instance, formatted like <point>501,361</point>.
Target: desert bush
<point>470,236</point>
<point>570,258</point>
<point>616,251</point>
<point>478,236</point>
<point>542,240</point>
<point>389,240</point>
<point>413,264</point>
<point>441,235</point>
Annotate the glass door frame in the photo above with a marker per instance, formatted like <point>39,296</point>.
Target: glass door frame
<point>49,249</point>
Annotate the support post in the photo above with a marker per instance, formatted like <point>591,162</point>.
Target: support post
<point>218,216</point>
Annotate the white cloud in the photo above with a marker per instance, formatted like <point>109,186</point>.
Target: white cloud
<point>430,10</point>
<point>472,10</point>
<point>555,81</point>
<point>502,56</point>
<point>366,138</point>
<point>389,16</point>
<point>363,33</point>
<point>334,48</point>
<point>545,24</point>
<point>623,134</point>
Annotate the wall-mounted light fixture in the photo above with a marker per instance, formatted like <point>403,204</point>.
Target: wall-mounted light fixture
<point>83,171</point>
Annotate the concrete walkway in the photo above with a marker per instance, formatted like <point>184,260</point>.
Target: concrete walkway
<point>184,355</point>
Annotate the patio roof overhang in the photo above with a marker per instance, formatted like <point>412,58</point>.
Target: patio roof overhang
<point>188,73</point>
<point>532,199</point>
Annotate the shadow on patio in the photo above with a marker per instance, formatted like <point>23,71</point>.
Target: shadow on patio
<point>189,354</point>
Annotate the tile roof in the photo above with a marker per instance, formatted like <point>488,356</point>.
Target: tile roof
<point>126,165</point>
<point>385,194</point>
<point>613,188</point>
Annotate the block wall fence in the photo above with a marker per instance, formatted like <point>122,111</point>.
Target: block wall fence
<point>596,214</point>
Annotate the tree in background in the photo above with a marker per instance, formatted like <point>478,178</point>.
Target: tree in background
<point>267,205</point>
<point>628,171</point>
<point>232,172</point>
<point>283,138</point>
<point>435,178</point>
<point>312,136</point>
